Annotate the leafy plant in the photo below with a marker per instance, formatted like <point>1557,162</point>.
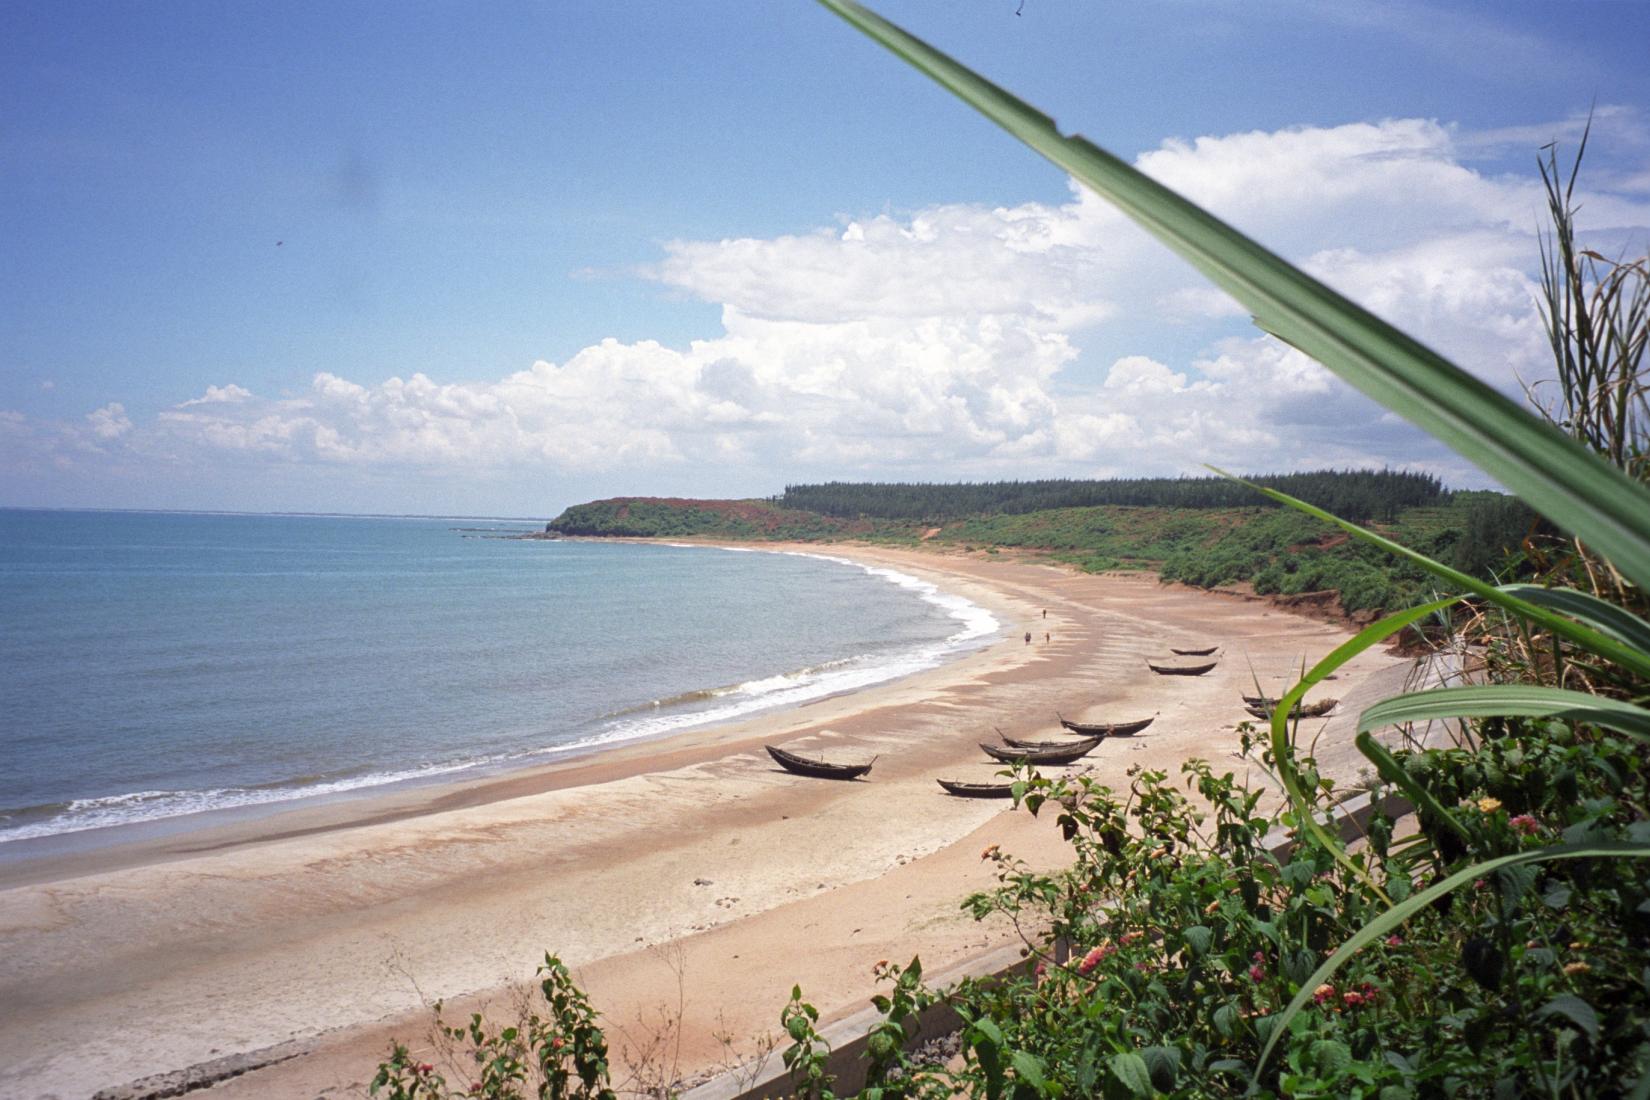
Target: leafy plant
<point>559,1057</point>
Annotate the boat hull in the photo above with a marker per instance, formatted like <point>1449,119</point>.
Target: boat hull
<point>816,769</point>
<point>1105,729</point>
<point>1181,670</point>
<point>977,790</point>
<point>1062,755</point>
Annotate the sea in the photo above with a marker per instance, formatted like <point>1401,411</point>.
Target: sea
<point>155,666</point>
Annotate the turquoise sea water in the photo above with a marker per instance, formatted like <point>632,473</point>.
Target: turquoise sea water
<point>155,665</point>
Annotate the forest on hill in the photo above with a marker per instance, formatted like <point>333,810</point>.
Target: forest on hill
<point>1357,495</point>
<point>1186,530</point>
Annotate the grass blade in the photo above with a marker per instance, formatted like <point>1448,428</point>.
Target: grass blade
<point>1606,617</point>
<point>1485,701</point>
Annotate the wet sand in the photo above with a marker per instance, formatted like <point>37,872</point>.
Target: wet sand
<point>685,879</point>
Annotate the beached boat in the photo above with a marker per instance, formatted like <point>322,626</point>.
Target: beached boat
<point>1065,754</point>
<point>1041,746</point>
<point>977,790</point>
<point>1193,652</point>
<point>1310,710</point>
<point>817,769</point>
<point>1103,729</point>
<point>1181,670</point>
<point>1260,700</point>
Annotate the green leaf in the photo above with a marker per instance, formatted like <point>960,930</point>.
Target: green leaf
<point>987,1040</point>
<point>1225,1020</point>
<point>1574,1009</point>
<point>1298,964</point>
<point>1525,700</point>
<point>1605,616</point>
<point>1130,1069</point>
<point>1028,1068</point>
<point>1163,1064</point>
<point>1198,939</point>
<point>1554,474</point>
<point>1380,926</point>
<point>1329,1056</point>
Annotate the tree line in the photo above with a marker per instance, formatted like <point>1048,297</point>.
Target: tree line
<point>1357,495</point>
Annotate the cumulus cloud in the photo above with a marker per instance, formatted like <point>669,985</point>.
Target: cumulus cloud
<point>109,422</point>
<point>966,340</point>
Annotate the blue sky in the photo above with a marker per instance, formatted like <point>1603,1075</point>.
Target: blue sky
<point>306,256</point>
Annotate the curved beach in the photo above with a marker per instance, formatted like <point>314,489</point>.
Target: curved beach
<point>683,878</point>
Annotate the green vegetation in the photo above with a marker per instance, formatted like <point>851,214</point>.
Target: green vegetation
<point>1277,550</point>
<point>1359,495</point>
<point>647,517</point>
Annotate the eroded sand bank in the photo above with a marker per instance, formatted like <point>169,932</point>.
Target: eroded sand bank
<point>686,877</point>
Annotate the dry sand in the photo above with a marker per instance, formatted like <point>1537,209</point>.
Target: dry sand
<point>686,877</point>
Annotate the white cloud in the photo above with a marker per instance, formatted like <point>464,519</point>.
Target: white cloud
<point>109,422</point>
<point>951,342</point>
<point>219,395</point>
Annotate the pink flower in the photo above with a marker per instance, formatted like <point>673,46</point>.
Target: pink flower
<point>1092,959</point>
<point>1257,973</point>
<point>1130,937</point>
<point>1525,824</point>
<point>1352,997</point>
<point>1042,968</point>
<point>1395,940</point>
<point>1323,993</point>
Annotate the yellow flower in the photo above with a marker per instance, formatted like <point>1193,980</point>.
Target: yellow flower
<point>1489,805</point>
<point>1575,968</point>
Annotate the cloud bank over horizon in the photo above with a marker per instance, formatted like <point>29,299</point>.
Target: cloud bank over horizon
<point>956,341</point>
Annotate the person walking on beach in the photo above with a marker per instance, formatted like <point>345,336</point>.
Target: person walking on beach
<point>1028,637</point>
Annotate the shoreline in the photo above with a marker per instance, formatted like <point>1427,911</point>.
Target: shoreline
<point>337,928</point>
<point>47,857</point>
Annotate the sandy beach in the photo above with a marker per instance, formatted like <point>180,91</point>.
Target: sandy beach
<point>683,879</point>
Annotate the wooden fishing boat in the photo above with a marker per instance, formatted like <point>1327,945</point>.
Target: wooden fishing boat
<point>1042,746</point>
<point>1310,710</point>
<point>1181,670</point>
<point>1193,652</point>
<point>1104,729</point>
<point>817,769</point>
<point>977,790</point>
<point>1065,754</point>
<point>1260,700</point>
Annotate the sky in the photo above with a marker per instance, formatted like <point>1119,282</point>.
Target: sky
<point>498,259</point>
